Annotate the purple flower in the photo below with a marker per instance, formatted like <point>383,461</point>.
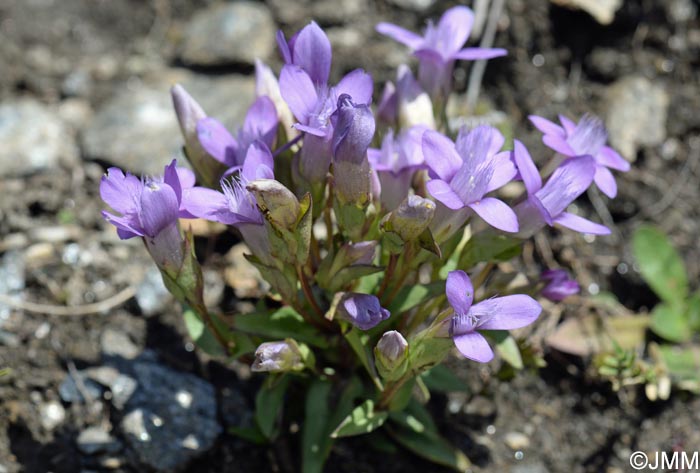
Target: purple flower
<point>464,173</point>
<point>405,104</point>
<point>361,310</point>
<point>588,137</point>
<point>260,125</point>
<point>314,107</point>
<point>440,46</point>
<point>547,204</point>
<point>146,206</point>
<point>309,49</point>
<point>396,163</point>
<point>559,285</point>
<point>497,313</point>
<point>266,84</point>
<point>278,357</point>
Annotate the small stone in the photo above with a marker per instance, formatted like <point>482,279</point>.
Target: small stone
<point>95,440</point>
<point>415,5</point>
<point>636,115</point>
<point>33,138</point>
<point>77,83</point>
<point>516,441</point>
<point>38,254</point>
<point>52,414</point>
<point>152,295</point>
<point>229,33</point>
<point>242,276</point>
<point>480,406</point>
<point>137,129</point>
<point>530,467</point>
<point>12,278</point>
<point>114,342</point>
<point>602,10</point>
<point>69,391</point>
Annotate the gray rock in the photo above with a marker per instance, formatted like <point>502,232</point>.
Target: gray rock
<point>137,129</point>
<point>171,416</point>
<point>530,467</point>
<point>516,440</point>
<point>114,342</point>
<point>52,414</point>
<point>229,33</point>
<point>415,5</point>
<point>33,138</point>
<point>602,10</point>
<point>71,392</point>
<point>636,114</point>
<point>95,440</point>
<point>151,295</point>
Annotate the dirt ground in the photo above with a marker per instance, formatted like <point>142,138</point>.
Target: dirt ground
<point>559,418</point>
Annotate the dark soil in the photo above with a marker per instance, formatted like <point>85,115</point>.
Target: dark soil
<point>572,420</point>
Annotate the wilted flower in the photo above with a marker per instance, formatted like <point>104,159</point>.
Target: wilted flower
<point>440,46</point>
<point>559,285</point>
<point>362,310</point>
<point>497,313</point>
<point>588,137</point>
<point>547,204</point>
<point>464,173</point>
<point>279,203</point>
<point>278,357</point>
<point>411,218</point>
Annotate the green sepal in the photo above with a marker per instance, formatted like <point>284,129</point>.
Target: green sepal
<point>427,242</point>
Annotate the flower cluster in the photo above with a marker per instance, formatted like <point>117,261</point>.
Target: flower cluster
<point>360,219</point>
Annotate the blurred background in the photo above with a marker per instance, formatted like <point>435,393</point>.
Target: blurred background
<point>95,347</point>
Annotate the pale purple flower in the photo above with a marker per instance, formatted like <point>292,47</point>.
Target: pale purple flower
<point>310,50</point>
<point>463,173</point>
<point>260,125</point>
<point>147,206</point>
<point>497,313</point>
<point>278,357</point>
<point>547,204</point>
<point>314,107</point>
<point>406,104</point>
<point>559,285</point>
<point>588,137</point>
<point>440,46</point>
<point>396,163</point>
<point>362,310</point>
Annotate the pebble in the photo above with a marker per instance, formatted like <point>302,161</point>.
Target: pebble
<point>242,276</point>
<point>530,467</point>
<point>33,138</point>
<point>151,295</point>
<point>516,440</point>
<point>137,129</point>
<point>12,278</point>
<point>415,5</point>
<point>636,114</point>
<point>229,33</point>
<point>69,392</point>
<point>51,414</point>
<point>602,10</point>
<point>95,440</point>
<point>480,406</point>
<point>116,343</point>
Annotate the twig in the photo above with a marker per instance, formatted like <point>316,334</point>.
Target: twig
<point>87,309</point>
<point>672,193</point>
<point>603,212</point>
<point>477,72</point>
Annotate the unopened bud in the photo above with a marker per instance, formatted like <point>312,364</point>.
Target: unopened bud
<point>559,285</point>
<point>391,350</point>
<point>414,106</point>
<point>277,202</point>
<point>361,310</point>
<point>361,253</point>
<point>278,356</point>
<point>411,218</point>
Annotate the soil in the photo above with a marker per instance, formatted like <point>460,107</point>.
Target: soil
<point>572,421</point>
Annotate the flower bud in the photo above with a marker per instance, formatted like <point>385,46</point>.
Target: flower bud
<point>411,218</point>
<point>279,356</point>
<point>361,253</point>
<point>414,106</point>
<point>353,132</point>
<point>266,84</point>
<point>391,354</point>
<point>559,285</point>
<point>361,310</point>
<point>277,202</point>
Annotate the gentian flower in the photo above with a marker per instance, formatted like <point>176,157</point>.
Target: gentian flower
<point>362,310</point>
<point>396,163</point>
<point>559,285</point>
<point>266,84</point>
<point>464,173</point>
<point>547,204</point>
<point>497,313</point>
<point>588,137</point>
<point>406,104</point>
<point>149,209</point>
<point>310,50</point>
<point>260,125</point>
<point>278,357</point>
<point>352,136</point>
<point>439,48</point>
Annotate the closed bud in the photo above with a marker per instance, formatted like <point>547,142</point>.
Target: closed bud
<point>559,285</point>
<point>279,356</point>
<point>414,106</point>
<point>411,218</point>
<point>277,202</point>
<point>391,355</point>
<point>361,253</point>
<point>362,310</point>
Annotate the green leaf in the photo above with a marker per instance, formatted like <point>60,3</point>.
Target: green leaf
<point>403,396</point>
<point>359,342</point>
<point>251,434</point>
<point>282,323</point>
<point>660,264</point>
<point>439,378</point>
<point>489,247</point>
<point>415,417</point>
<point>349,274</point>
<point>507,347</point>
<point>201,335</point>
<point>362,420</point>
<point>693,311</point>
<point>669,321</point>
<point>316,441</point>
<point>683,364</point>
<point>268,402</point>
<point>369,284</point>
<point>411,296</point>
<point>427,352</point>
<point>431,447</point>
